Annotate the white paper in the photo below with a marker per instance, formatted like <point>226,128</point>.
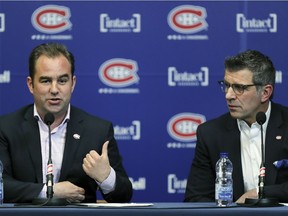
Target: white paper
<point>116,204</point>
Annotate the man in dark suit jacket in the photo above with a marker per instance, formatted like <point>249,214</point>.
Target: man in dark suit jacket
<point>248,85</point>
<point>85,145</point>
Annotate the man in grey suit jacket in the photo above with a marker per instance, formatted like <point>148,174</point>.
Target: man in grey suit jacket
<point>84,152</point>
<point>248,85</point>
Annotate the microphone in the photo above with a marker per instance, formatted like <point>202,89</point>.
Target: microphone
<point>262,201</point>
<point>49,119</point>
<point>50,200</point>
<point>261,119</point>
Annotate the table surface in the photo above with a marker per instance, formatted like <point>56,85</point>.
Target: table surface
<point>159,209</point>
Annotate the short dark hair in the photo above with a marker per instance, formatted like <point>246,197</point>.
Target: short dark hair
<point>259,64</point>
<point>50,50</point>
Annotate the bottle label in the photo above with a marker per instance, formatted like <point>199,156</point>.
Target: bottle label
<point>224,192</point>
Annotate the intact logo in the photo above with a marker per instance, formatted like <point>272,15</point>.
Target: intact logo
<point>132,132</point>
<point>187,19</point>
<point>108,24</point>
<point>51,19</point>
<point>256,25</point>
<point>177,78</point>
<point>119,72</point>
<point>183,126</point>
<point>2,22</point>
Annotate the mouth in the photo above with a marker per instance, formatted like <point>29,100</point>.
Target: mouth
<point>232,107</point>
<point>54,101</point>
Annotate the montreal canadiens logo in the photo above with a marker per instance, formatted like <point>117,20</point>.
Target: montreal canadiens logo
<point>187,19</point>
<point>119,72</point>
<point>51,19</point>
<point>183,126</point>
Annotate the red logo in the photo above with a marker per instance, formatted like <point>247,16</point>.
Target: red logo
<point>183,126</point>
<point>187,19</point>
<point>51,19</point>
<point>119,72</point>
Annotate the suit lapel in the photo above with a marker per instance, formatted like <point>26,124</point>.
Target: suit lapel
<point>73,138</point>
<point>272,144</point>
<point>32,136</point>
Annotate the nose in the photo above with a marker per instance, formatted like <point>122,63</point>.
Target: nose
<point>54,88</point>
<point>230,94</point>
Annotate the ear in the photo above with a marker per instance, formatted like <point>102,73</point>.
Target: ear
<point>29,83</point>
<point>73,82</point>
<point>266,93</point>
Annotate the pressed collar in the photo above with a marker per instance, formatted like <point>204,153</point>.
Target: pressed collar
<point>37,116</point>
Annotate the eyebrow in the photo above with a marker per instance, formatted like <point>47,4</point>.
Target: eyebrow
<point>234,83</point>
<point>48,77</point>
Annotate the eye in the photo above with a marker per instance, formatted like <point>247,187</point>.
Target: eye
<point>239,88</point>
<point>227,85</point>
<point>45,81</point>
<point>63,80</point>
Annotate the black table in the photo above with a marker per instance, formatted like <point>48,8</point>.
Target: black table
<point>157,209</point>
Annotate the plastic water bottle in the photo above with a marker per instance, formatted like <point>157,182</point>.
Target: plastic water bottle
<point>224,181</point>
<point>1,184</point>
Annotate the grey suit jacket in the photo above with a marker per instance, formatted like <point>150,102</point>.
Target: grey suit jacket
<point>20,152</point>
<point>222,135</point>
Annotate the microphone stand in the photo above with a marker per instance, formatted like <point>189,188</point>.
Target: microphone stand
<point>50,200</point>
<point>262,201</point>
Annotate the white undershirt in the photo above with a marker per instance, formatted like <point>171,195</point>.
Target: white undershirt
<point>251,153</point>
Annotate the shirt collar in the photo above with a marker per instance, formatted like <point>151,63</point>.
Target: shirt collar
<point>37,116</point>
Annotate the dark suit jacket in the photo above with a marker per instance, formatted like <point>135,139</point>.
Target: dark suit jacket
<point>222,135</point>
<point>20,151</point>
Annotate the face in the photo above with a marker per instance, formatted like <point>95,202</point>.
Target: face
<point>52,85</point>
<point>248,104</point>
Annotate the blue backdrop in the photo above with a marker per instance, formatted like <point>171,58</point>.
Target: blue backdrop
<point>151,67</point>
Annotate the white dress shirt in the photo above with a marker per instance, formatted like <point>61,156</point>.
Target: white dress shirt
<point>251,153</point>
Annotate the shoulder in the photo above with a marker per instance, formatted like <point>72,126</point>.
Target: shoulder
<point>219,122</point>
<point>82,115</point>
<point>21,113</point>
<point>279,113</point>
<point>10,121</point>
<point>276,107</point>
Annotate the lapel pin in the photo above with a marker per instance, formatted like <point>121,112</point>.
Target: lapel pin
<point>76,136</point>
<point>278,137</point>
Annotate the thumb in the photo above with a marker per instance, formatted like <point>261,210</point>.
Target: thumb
<point>105,149</point>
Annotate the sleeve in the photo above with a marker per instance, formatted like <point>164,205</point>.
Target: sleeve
<point>201,179</point>
<point>123,187</point>
<point>108,185</point>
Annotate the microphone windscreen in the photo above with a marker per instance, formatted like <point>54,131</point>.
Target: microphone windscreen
<point>49,118</point>
<point>261,118</point>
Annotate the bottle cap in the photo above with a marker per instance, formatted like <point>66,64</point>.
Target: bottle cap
<point>223,154</point>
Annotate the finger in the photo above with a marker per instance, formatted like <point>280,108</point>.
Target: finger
<point>105,149</point>
<point>92,155</point>
<point>86,165</point>
<point>78,198</point>
<point>81,197</point>
<point>81,191</point>
<point>89,156</point>
<point>86,162</point>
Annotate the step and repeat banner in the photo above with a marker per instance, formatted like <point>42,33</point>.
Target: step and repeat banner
<point>150,67</point>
